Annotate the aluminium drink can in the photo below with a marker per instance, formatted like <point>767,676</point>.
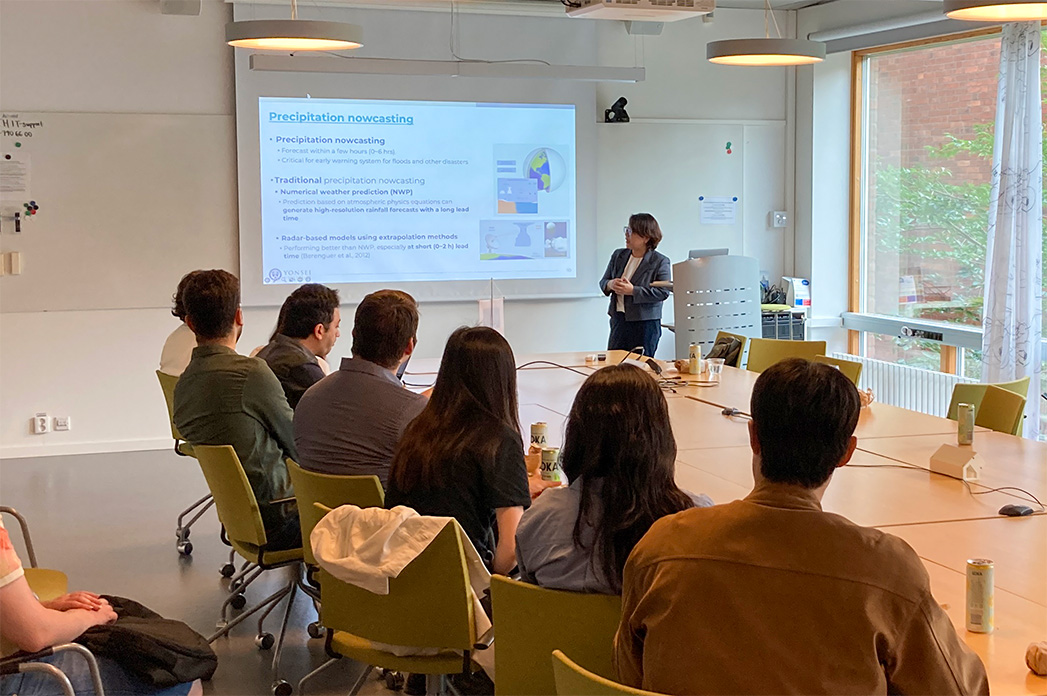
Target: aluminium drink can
<point>980,613</point>
<point>551,464</point>
<point>965,424</point>
<point>693,359</point>
<point>539,434</point>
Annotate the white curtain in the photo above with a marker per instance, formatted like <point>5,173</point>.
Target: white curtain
<point>1013,322</point>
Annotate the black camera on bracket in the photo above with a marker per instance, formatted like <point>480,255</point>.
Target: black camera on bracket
<point>617,113</point>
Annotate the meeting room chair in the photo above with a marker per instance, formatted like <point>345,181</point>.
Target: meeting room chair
<point>851,369</point>
<point>22,663</point>
<point>45,583</point>
<point>311,487</point>
<point>184,449</point>
<point>1001,410</point>
<point>429,605</point>
<point>533,621</point>
<point>744,340</point>
<point>974,393</point>
<point>574,680</point>
<point>239,514</point>
<point>764,352</point>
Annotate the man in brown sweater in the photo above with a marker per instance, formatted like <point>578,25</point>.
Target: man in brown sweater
<point>771,595</point>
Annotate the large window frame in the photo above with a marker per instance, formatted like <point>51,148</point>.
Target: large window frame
<point>954,337</point>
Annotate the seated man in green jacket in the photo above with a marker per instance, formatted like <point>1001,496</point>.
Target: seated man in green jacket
<point>224,398</point>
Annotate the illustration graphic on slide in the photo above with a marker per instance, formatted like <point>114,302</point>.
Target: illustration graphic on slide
<point>517,196</point>
<point>547,167</point>
<point>505,240</point>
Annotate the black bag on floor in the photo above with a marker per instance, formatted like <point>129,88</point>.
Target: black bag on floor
<point>162,652</point>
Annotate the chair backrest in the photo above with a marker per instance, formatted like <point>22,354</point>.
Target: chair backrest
<point>744,340</point>
<point>1001,410</point>
<point>333,491</point>
<point>764,352</point>
<point>533,621</point>
<point>233,497</point>
<point>974,393</point>
<point>851,369</point>
<point>167,384</point>
<point>429,604</point>
<point>574,680</point>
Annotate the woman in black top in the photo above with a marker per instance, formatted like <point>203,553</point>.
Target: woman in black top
<point>463,456</point>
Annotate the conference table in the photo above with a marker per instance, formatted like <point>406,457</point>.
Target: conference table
<point>886,485</point>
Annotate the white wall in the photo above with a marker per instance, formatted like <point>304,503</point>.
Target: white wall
<point>124,56</point>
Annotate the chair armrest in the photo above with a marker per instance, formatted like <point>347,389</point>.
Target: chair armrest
<point>9,664</point>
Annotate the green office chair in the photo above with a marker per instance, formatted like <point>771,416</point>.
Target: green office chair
<point>533,621</point>
<point>574,680</point>
<point>184,449</point>
<point>239,514</point>
<point>764,352</point>
<point>311,487</point>
<point>46,584</point>
<point>744,340</point>
<point>974,393</point>
<point>851,369</point>
<point>429,605</point>
<point>1001,410</point>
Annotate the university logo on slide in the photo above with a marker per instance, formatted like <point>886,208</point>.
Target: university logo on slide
<point>275,275</point>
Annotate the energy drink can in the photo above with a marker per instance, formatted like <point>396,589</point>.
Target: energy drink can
<point>551,464</point>
<point>694,359</point>
<point>539,434</point>
<point>980,614</point>
<point>965,424</point>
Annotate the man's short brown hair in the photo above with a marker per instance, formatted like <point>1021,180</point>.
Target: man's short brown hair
<point>177,306</point>
<point>210,301</point>
<point>385,323</point>
<point>804,414</point>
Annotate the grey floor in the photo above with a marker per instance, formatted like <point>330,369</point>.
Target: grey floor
<point>108,521</point>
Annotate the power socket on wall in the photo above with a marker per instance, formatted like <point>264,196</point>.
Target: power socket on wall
<point>41,424</point>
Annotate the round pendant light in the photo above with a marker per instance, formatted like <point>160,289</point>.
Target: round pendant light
<point>765,52</point>
<point>996,10</point>
<point>293,34</point>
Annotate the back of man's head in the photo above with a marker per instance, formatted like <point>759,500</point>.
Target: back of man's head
<point>385,323</point>
<point>210,301</point>
<point>178,306</point>
<point>306,307</point>
<point>804,414</point>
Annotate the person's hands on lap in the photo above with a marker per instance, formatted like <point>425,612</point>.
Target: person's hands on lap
<point>88,601</point>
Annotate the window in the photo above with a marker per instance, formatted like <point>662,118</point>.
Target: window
<point>927,113</point>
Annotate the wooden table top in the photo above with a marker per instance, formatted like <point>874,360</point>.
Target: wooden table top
<point>1017,546</point>
<point>1018,623</point>
<point>864,491</point>
<point>1008,460</point>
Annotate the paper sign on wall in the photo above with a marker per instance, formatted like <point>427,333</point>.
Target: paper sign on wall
<point>718,210</point>
<point>14,176</point>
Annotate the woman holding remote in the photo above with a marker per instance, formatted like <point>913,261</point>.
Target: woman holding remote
<point>636,306</point>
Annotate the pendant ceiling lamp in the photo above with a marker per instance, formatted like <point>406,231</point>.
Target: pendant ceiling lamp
<point>766,51</point>
<point>293,34</point>
<point>996,10</point>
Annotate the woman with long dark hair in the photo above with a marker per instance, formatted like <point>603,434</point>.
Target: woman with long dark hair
<point>463,456</point>
<point>619,456</point>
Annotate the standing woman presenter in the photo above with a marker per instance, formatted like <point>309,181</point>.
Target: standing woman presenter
<point>636,307</point>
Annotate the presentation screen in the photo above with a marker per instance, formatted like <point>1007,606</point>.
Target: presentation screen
<point>383,191</point>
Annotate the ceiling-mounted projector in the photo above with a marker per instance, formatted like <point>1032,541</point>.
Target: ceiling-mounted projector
<point>640,10</point>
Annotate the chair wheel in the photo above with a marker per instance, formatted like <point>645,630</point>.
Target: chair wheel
<point>315,630</point>
<point>228,570</point>
<point>394,681</point>
<point>238,602</point>
<point>185,548</point>
<point>264,641</point>
<point>282,688</point>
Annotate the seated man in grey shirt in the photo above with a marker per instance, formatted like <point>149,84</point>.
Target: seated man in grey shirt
<point>349,422</point>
